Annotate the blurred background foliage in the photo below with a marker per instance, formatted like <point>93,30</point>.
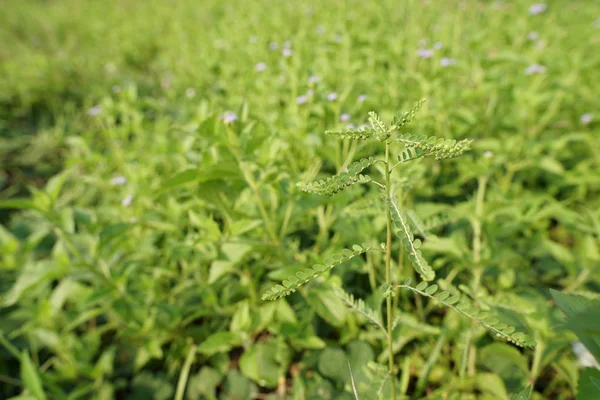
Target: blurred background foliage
<point>149,155</point>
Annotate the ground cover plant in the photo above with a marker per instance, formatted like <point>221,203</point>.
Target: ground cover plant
<point>197,202</point>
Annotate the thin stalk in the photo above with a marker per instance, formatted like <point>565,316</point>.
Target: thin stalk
<point>482,182</point>
<point>405,379</point>
<point>537,359</point>
<point>400,268</point>
<point>286,219</point>
<point>468,356</point>
<point>400,199</point>
<point>261,207</point>
<point>234,146</point>
<point>431,360</point>
<point>185,373</point>
<point>372,272</point>
<point>388,274</point>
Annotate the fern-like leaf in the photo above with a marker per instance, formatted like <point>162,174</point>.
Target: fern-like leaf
<point>382,132</point>
<point>459,303</point>
<point>412,175</point>
<point>341,181</point>
<point>410,321</point>
<point>411,154</point>
<point>408,241</point>
<point>360,307</point>
<point>436,221</point>
<point>416,223</point>
<point>357,134</point>
<point>439,148</point>
<point>401,119</point>
<point>292,283</point>
<point>364,207</point>
<point>424,226</point>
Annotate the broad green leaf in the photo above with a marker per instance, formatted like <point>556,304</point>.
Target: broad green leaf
<point>19,204</point>
<point>524,394</point>
<point>203,385</point>
<point>31,378</point>
<point>327,305</point>
<point>180,178</point>
<point>259,364</point>
<point>589,384</point>
<point>507,362</point>
<point>219,342</point>
<point>241,320</point>
<point>333,364</point>
<point>238,387</point>
<point>492,384</point>
<point>583,317</point>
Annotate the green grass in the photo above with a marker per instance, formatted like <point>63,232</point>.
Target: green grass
<point>153,287</point>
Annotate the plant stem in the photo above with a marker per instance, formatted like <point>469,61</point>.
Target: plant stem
<point>185,373</point>
<point>431,360</point>
<point>400,198</point>
<point>261,207</point>
<point>482,182</point>
<point>537,359</point>
<point>468,357</point>
<point>388,274</point>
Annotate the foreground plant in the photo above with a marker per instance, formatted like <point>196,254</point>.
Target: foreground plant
<point>400,221</point>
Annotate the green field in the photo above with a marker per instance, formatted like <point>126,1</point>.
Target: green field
<point>155,169</point>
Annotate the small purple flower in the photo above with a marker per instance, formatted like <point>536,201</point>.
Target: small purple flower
<point>287,52</point>
<point>586,119</point>
<point>229,117</point>
<point>438,45</point>
<point>535,69</point>
<point>425,53</point>
<point>362,98</point>
<point>488,154</point>
<point>126,202</point>
<point>313,79</point>
<point>537,8</point>
<point>446,62</point>
<point>345,117</point>
<point>350,126</point>
<point>310,92</point>
<point>94,111</point>
<point>332,96</point>
<point>118,180</point>
<point>337,38</point>
<point>190,93</point>
<point>302,99</point>
<point>273,46</point>
<point>533,35</point>
<point>260,67</point>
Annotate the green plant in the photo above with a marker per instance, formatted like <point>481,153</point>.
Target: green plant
<point>397,221</point>
<point>583,318</point>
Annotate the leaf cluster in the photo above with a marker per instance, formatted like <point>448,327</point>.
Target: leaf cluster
<point>293,282</point>
<point>458,302</point>
<point>341,181</point>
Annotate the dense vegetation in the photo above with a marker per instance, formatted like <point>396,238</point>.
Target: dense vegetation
<point>155,159</point>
